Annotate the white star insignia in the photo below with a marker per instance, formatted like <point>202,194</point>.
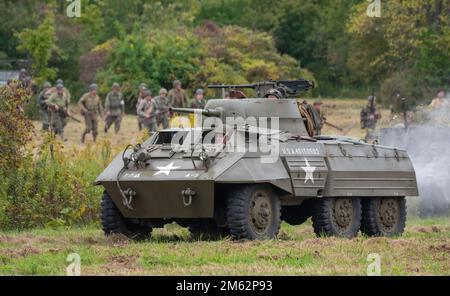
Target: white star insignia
<point>309,170</point>
<point>166,169</point>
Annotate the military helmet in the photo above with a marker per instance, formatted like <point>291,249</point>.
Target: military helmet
<point>199,91</point>
<point>115,84</point>
<point>59,86</point>
<point>273,92</point>
<point>23,70</point>
<point>47,84</point>
<point>146,93</point>
<point>142,86</point>
<point>318,102</point>
<point>93,86</point>
<point>163,91</point>
<point>60,81</point>
<point>371,98</point>
<point>176,82</point>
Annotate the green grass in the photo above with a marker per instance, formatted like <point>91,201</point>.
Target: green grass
<point>424,249</point>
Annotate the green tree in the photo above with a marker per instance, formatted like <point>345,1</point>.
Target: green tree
<point>40,44</point>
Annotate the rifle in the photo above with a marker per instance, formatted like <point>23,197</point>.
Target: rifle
<point>63,112</point>
<point>334,126</point>
<point>288,88</point>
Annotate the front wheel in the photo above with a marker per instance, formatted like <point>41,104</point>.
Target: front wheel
<point>337,216</point>
<point>253,212</point>
<point>383,216</point>
<point>113,221</point>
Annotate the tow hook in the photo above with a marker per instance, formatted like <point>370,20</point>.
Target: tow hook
<point>187,194</point>
<point>127,198</point>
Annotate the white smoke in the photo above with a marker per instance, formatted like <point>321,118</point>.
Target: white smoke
<point>428,144</point>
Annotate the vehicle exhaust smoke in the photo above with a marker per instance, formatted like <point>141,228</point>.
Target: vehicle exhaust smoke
<point>427,140</point>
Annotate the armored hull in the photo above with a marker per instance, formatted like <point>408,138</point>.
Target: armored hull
<point>156,184</point>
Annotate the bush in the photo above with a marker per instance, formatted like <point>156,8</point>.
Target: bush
<point>15,127</point>
<point>53,188</point>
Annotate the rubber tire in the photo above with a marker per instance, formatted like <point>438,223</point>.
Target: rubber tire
<point>296,215</point>
<point>238,205</point>
<point>114,223</point>
<point>322,218</point>
<point>371,225</point>
<point>207,230</point>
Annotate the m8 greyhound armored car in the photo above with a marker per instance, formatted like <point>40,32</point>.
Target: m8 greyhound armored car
<point>209,177</point>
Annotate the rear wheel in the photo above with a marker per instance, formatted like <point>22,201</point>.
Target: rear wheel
<point>114,223</point>
<point>253,212</point>
<point>383,216</point>
<point>340,216</point>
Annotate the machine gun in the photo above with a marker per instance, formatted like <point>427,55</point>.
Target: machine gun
<point>287,88</point>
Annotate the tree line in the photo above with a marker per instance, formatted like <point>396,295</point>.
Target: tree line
<point>406,50</point>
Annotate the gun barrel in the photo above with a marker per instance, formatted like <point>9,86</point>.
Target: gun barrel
<point>232,86</point>
<point>206,112</point>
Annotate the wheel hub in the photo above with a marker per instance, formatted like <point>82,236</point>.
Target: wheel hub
<point>389,212</point>
<point>260,212</point>
<point>343,212</point>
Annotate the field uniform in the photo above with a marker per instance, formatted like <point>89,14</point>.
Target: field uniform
<point>147,107</point>
<point>90,106</point>
<point>43,109</point>
<point>58,118</point>
<point>161,106</point>
<point>369,119</point>
<point>115,105</point>
<point>177,98</point>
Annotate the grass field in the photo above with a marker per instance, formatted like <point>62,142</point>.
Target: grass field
<point>424,249</point>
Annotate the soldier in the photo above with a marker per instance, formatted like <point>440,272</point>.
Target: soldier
<point>199,101</point>
<point>91,106</point>
<point>273,94</point>
<point>439,101</point>
<point>58,104</point>
<point>320,116</point>
<point>24,79</point>
<point>369,119</point>
<point>52,90</point>
<point>114,108</point>
<point>142,88</point>
<point>42,105</point>
<point>161,106</point>
<point>177,96</point>
<point>146,112</point>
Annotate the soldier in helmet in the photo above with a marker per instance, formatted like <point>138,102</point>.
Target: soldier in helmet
<point>369,119</point>
<point>440,101</point>
<point>146,112</point>
<point>91,106</point>
<point>58,104</point>
<point>114,108</point>
<point>42,105</point>
<point>142,88</point>
<point>161,105</point>
<point>24,79</point>
<point>199,101</point>
<point>320,116</point>
<point>177,96</point>
<point>273,94</point>
<point>52,90</point>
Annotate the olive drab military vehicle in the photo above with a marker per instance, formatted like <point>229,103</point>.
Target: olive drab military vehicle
<point>200,178</point>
